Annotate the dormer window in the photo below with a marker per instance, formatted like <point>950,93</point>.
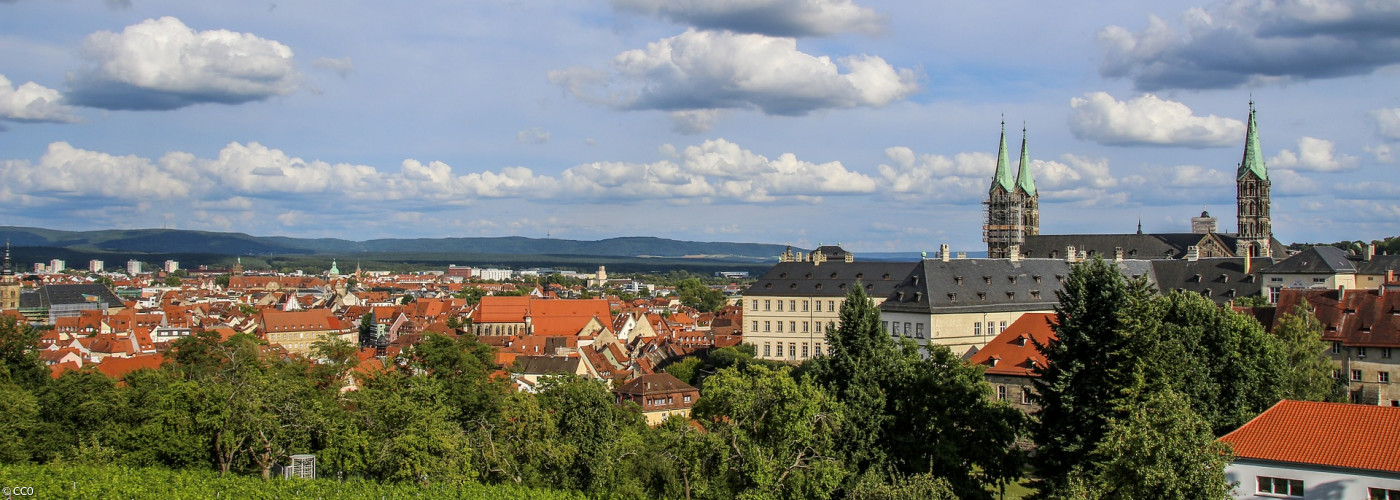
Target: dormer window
<point>987,279</point>
<point>886,276</point>
<point>1224,278</point>
<point>860,275</point>
<point>982,295</point>
<point>1021,341</point>
<point>992,361</point>
<point>1012,278</point>
<point>953,296</point>
<point>918,295</point>
<point>958,279</point>
<point>1036,278</point>
<point>1035,294</point>
<point>783,275</point>
<point>1196,278</point>
<point>1010,294</point>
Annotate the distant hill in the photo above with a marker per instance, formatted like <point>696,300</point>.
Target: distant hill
<point>175,241</point>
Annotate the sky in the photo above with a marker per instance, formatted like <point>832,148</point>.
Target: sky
<point>871,124</point>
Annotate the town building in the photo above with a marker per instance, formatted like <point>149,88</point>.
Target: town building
<point>96,266</point>
<point>1013,205</point>
<point>133,267</point>
<point>48,302</point>
<point>788,310</point>
<point>1363,327</point>
<point>1305,449</point>
<point>1011,359</point>
<point>296,331</point>
<point>661,396</point>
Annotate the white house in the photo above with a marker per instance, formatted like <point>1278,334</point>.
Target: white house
<point>1302,449</point>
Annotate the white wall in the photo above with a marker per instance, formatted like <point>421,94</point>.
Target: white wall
<point>1318,482</point>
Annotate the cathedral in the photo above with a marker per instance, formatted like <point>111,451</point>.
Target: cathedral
<point>1012,223</point>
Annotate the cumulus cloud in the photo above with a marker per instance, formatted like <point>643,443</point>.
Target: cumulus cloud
<point>161,64</point>
<point>1387,122</point>
<point>1384,153</point>
<point>1172,184</point>
<point>342,66</point>
<point>965,177</point>
<point>705,70</point>
<point>794,18</point>
<point>31,102</point>
<point>1318,155</point>
<point>533,135</point>
<point>1240,42</point>
<point>1148,119</point>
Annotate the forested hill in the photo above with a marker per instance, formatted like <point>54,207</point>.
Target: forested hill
<point>204,242</point>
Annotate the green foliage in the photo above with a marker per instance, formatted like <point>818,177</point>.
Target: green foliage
<point>464,366</point>
<point>592,428</point>
<point>694,293</point>
<point>1308,372</point>
<point>782,433</point>
<point>685,369</point>
<point>19,363</point>
<point>222,280</point>
<point>21,417</point>
<point>70,481</point>
<point>916,487</point>
<point>172,281</point>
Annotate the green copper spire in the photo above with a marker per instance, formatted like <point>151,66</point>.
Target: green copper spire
<point>1024,180</point>
<point>1003,175</point>
<point>1253,158</point>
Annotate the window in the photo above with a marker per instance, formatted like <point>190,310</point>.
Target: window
<point>1336,348</point>
<point>831,305</point>
<point>766,325</point>
<point>780,349</point>
<point>1319,280</point>
<point>1276,279</point>
<point>907,329</point>
<point>1385,377</point>
<point>819,327</point>
<point>804,327</point>
<point>804,306</point>
<point>818,305</point>
<point>818,348</point>
<point>1001,392</point>
<point>1361,352</point>
<point>766,352</point>
<point>804,349</point>
<point>792,326</point>
<point>780,306</point>
<point>755,305</point>
<point>792,305</point>
<point>1383,494</point>
<point>1385,353</point>
<point>1025,395</point>
<point>976,328</point>
<point>1356,375</point>
<point>780,327</point>
<point>919,330</point>
<point>767,305</point>
<point>895,331</point>
<point>1337,374</point>
<point>755,325</point>
<point>687,398</point>
<point>1003,327</point>
<point>792,349</point>
<point>1281,486</point>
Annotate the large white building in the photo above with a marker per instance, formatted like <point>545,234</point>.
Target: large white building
<point>1304,449</point>
<point>133,267</point>
<point>96,266</point>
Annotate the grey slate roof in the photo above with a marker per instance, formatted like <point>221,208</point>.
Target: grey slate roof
<point>1220,279</point>
<point>59,295</point>
<point>829,279</point>
<point>1135,246</point>
<point>1314,260</point>
<point>551,365</point>
<point>973,285</point>
<point>1379,264</point>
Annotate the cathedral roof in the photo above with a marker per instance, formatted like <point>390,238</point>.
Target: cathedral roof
<point>1253,160</point>
<point>1003,175</point>
<point>1024,180</point>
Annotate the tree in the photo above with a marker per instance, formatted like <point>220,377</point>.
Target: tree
<point>369,331</point>
<point>781,433</point>
<point>21,411</point>
<point>685,369</point>
<point>590,423</point>
<point>464,366</point>
<point>19,360</point>
<point>172,280</point>
<point>1308,376</point>
<point>1084,367</point>
<point>694,293</point>
<point>222,280</point>
<point>860,357</point>
<point>1155,446</point>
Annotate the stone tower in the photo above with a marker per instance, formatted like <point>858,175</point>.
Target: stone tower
<point>1013,205</point>
<point>1252,194</point>
<point>1025,191</point>
<point>9,284</point>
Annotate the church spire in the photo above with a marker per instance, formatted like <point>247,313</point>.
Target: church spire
<point>1253,160</point>
<point>9,269</point>
<point>1003,175</point>
<point>1024,180</point>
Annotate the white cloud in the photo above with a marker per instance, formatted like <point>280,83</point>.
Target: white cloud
<point>68,172</point>
<point>1148,119</point>
<point>694,121</point>
<point>1369,190</point>
<point>704,70</point>
<point>966,177</point>
<point>31,102</point>
<point>1240,42</point>
<point>1383,153</point>
<point>533,135</point>
<point>1171,185</point>
<point>163,64</point>
<point>795,18</point>
<point>342,66</point>
<point>1313,154</point>
<point>1387,122</point>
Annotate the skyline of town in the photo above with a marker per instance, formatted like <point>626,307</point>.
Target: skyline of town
<point>869,123</point>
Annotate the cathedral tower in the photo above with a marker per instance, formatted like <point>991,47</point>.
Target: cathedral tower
<point>1252,194</point>
<point>1002,227</point>
<point>1025,191</point>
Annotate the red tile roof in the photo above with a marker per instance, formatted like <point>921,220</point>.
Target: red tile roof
<point>119,367</point>
<point>1014,349</point>
<point>1360,318</point>
<point>1333,434</point>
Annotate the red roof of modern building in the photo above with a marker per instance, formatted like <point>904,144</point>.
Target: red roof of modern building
<point>1332,434</point>
<point>1013,352</point>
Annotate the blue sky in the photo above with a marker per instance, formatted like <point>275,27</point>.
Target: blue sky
<point>870,123</point>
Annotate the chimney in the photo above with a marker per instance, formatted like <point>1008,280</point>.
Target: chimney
<point>1118,254</point>
<point>943,252</point>
<point>1083,255</point>
<point>1389,275</point>
<point>1368,252</point>
<point>1193,253</point>
<point>1014,253</point>
<point>1069,253</point>
<point>1248,261</point>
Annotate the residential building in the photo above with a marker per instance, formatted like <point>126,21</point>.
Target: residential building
<point>57,266</point>
<point>1363,327</point>
<point>1012,358</point>
<point>296,331</point>
<point>171,266</point>
<point>96,266</point>
<point>525,315</point>
<point>49,302</point>
<point>788,310</point>
<point>1319,267</point>
<point>1304,449</point>
<point>661,395</point>
<point>133,267</point>
<point>1220,279</point>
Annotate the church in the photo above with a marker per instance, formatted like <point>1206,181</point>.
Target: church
<point>1012,223</point>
